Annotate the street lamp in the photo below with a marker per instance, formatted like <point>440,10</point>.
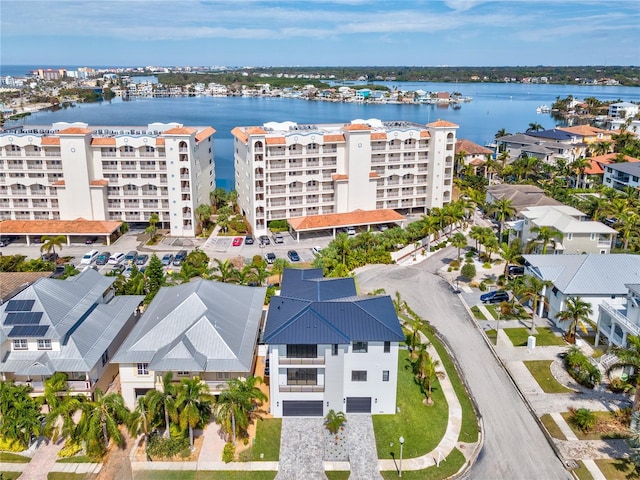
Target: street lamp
<point>498,326</point>
<point>401,439</point>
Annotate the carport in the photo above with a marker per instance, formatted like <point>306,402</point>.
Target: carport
<point>79,229</point>
<point>334,221</point>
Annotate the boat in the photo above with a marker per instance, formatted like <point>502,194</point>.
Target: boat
<point>543,109</point>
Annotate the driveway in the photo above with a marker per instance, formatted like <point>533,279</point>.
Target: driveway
<point>514,446</point>
<point>301,449</point>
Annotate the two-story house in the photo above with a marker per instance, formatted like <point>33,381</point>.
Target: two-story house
<point>73,326</point>
<point>201,328</point>
<point>621,175</point>
<point>617,321</point>
<point>330,348</point>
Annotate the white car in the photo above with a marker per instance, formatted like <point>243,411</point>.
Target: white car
<point>89,257</point>
<point>116,258</point>
<point>316,250</point>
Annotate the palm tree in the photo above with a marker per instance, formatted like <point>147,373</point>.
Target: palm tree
<point>164,401</point>
<point>430,226</point>
<point>193,404</point>
<point>203,214</point>
<point>100,422</point>
<point>49,243</point>
<point>459,241</point>
<point>509,253</point>
<point>224,271</point>
<point>20,417</point>
<point>62,407</point>
<point>546,235</point>
<point>601,148</point>
<point>503,209</point>
<point>535,127</point>
<point>630,356</point>
<point>629,226</point>
<point>531,291</point>
<point>142,418</point>
<point>278,267</point>
<point>579,165</point>
<point>477,233</point>
<point>398,303</point>
<point>342,244</point>
<point>430,374</point>
<point>236,403</point>
<point>577,312</point>
<point>501,133</point>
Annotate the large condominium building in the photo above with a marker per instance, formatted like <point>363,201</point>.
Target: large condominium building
<point>69,171</point>
<point>285,170</point>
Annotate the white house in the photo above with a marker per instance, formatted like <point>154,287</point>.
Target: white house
<point>201,328</point>
<point>623,110</point>
<point>620,175</point>
<point>617,321</point>
<point>73,326</point>
<point>330,349</point>
<point>594,278</point>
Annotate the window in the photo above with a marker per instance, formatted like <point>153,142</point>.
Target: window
<point>360,347</point>
<point>223,375</point>
<point>105,357</point>
<point>20,344</point>
<point>569,236</point>
<point>593,236</point>
<point>44,344</point>
<point>302,376</point>
<point>358,375</point>
<point>385,375</point>
<point>334,349</point>
<point>302,351</point>
<point>183,374</point>
<point>143,369</point>
<point>387,347</point>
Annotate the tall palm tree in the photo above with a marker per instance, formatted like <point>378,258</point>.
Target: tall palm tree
<point>503,209</point>
<point>236,403</point>
<point>278,267</point>
<point>535,127</point>
<point>509,253</point>
<point>100,420</point>
<point>430,226</point>
<point>342,244</point>
<point>224,271</point>
<point>546,235</point>
<point>501,133</point>
<point>193,404</point>
<point>629,226</point>
<point>579,165</point>
<point>203,214</point>
<point>142,419</point>
<point>62,407</point>
<point>459,241</point>
<point>49,243</point>
<point>577,312</point>
<point>477,233</point>
<point>430,374</point>
<point>164,401</point>
<point>531,291</point>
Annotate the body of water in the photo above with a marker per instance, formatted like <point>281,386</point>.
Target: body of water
<point>494,106</point>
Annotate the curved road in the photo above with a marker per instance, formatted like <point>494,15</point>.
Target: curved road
<point>514,447</point>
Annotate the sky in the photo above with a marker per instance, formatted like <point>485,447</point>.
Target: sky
<point>319,32</point>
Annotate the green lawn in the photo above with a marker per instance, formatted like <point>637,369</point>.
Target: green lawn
<point>77,459</point>
<point>477,313</point>
<point>493,309</point>
<point>581,472</point>
<point>491,335</point>
<point>601,417</point>
<point>541,371</point>
<point>544,337</point>
<point>202,475</point>
<point>8,457</point>
<point>447,468</point>
<point>10,475</point>
<point>422,427</point>
<point>69,476</point>
<point>337,475</point>
<point>267,441</point>
<point>616,469</point>
<point>552,427</point>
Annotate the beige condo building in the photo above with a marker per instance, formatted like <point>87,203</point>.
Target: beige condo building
<point>288,170</point>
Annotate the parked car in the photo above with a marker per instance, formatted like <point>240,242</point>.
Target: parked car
<point>237,241</point>
<point>270,258</point>
<point>118,269</point>
<point>103,258</point>
<point>116,258</point>
<point>179,258</point>
<point>349,231</point>
<point>496,296</point>
<point>130,257</point>
<point>89,257</point>
<point>167,259</point>
<point>316,250</point>
<point>278,238</point>
<point>142,259</point>
<point>127,272</point>
<point>293,256</point>
<point>383,228</point>
<point>49,257</point>
<point>264,240</point>
<point>59,271</point>
<point>248,240</point>
<point>4,241</point>
<point>91,240</point>
<point>515,270</point>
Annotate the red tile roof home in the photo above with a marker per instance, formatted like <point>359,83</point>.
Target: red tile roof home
<point>276,141</point>
<point>159,141</point>
<point>596,163</point>
<point>471,148</point>
<point>441,123</point>
<point>50,141</point>
<point>356,127</point>
<point>424,134</point>
<point>180,131</point>
<point>256,131</point>
<point>333,138</point>
<point>240,134</point>
<point>103,141</point>
<point>379,136</point>
<point>74,131</point>
<point>357,217</point>
<point>79,226</point>
<point>206,133</point>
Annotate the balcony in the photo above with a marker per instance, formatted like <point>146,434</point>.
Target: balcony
<point>617,317</point>
<point>300,388</point>
<point>301,361</point>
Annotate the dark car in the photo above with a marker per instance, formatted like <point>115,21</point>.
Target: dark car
<point>496,296</point>
<point>293,256</point>
<point>515,270</point>
<point>118,269</point>
<point>91,240</point>
<point>142,259</point>
<point>4,241</point>
<point>130,257</point>
<point>248,240</point>
<point>59,271</point>
<point>103,258</point>
<point>167,259</point>
<point>270,258</point>
<point>180,257</point>
<point>50,257</point>
<point>264,240</point>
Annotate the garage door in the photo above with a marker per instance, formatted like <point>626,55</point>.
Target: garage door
<point>299,408</point>
<point>358,404</point>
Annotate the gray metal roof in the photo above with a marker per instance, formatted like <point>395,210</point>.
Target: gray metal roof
<point>202,326</point>
<point>344,319</point>
<point>631,168</point>
<point>587,274</point>
<point>84,327</point>
<point>308,284</point>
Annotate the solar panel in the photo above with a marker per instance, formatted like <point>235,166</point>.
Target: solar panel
<point>23,318</point>
<point>28,331</point>
<point>19,305</point>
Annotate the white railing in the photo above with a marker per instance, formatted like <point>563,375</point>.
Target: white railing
<point>301,388</point>
<point>301,361</point>
<point>632,328</point>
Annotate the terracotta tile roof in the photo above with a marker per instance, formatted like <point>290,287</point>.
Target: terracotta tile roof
<point>13,282</point>
<point>79,226</point>
<point>206,133</point>
<point>333,138</point>
<point>441,123</point>
<point>58,182</point>
<point>256,131</point>
<point>356,126</point>
<point>443,95</point>
<point>103,141</point>
<point>373,175</point>
<point>586,130</point>
<point>180,131</point>
<point>339,176</point>
<point>276,141</point>
<point>379,136</point>
<point>74,131</point>
<point>159,141</point>
<point>99,183</point>
<point>471,148</point>
<point>424,134</point>
<point>476,162</point>
<point>611,158</point>
<point>357,217</point>
<point>50,141</point>
<point>240,134</point>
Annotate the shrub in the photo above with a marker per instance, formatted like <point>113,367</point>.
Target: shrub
<point>9,445</point>
<point>468,271</point>
<point>70,449</point>
<point>454,264</point>
<point>581,369</point>
<point>483,286</point>
<point>618,385</point>
<point>470,254</point>
<point>583,418</point>
<point>228,452</point>
<point>334,421</point>
<point>486,265</point>
<point>161,447</point>
<point>278,226</point>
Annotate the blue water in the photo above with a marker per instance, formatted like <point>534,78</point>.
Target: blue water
<point>494,106</point>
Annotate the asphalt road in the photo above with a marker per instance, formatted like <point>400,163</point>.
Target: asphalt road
<point>514,446</point>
